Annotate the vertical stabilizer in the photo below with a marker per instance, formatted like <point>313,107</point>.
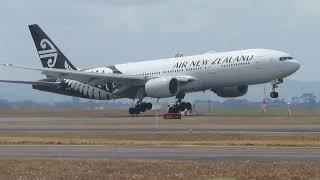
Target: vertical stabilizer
<point>49,53</point>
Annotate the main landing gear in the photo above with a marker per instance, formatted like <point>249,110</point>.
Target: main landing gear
<point>140,107</point>
<point>180,105</point>
<point>274,84</point>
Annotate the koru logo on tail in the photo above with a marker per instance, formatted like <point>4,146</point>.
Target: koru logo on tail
<point>48,53</point>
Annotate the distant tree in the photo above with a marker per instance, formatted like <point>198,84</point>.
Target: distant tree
<point>308,98</point>
<point>75,100</point>
<point>279,101</point>
<point>235,101</point>
<point>295,100</point>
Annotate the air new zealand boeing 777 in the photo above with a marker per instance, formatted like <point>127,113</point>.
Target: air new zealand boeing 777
<point>228,74</point>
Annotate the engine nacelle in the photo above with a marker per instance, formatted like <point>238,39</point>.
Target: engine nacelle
<point>234,91</point>
<point>162,87</point>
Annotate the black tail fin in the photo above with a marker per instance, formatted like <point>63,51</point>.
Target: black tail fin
<point>49,54</point>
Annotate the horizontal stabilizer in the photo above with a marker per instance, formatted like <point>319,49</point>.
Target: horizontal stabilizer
<point>30,82</point>
<point>93,78</point>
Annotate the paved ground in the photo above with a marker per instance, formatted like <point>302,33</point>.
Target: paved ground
<point>160,128</point>
<point>143,127</point>
<point>153,152</point>
<point>161,152</point>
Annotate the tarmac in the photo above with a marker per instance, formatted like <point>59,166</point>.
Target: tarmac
<point>152,127</point>
<point>170,152</point>
<point>161,152</point>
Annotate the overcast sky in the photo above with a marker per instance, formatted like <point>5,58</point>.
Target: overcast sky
<point>102,32</point>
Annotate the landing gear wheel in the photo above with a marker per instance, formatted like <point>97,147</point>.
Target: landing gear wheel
<point>274,94</point>
<point>148,106</point>
<point>170,110</point>
<point>174,109</point>
<point>182,106</point>
<point>188,106</point>
<point>142,107</point>
<point>132,111</point>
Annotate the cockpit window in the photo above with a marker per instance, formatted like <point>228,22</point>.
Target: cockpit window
<point>285,58</point>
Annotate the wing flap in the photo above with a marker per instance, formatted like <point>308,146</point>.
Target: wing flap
<point>93,78</point>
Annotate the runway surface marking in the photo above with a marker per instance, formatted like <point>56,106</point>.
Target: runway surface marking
<point>161,152</point>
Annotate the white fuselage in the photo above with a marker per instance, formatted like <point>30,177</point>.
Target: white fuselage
<point>228,74</point>
<point>216,70</point>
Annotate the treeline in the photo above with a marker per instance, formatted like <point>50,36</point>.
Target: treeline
<point>306,100</point>
<point>245,104</point>
<point>29,104</point>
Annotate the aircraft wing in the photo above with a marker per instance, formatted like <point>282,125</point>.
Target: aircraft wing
<point>92,78</point>
<point>84,77</point>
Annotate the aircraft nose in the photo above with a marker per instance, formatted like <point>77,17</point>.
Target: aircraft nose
<point>295,65</point>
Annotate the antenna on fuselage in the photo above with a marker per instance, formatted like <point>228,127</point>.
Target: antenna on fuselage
<point>178,55</point>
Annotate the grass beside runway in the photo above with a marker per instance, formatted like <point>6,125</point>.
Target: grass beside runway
<point>177,138</point>
<point>155,169</point>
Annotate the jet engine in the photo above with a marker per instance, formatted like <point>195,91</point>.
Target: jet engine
<point>162,87</point>
<point>234,91</point>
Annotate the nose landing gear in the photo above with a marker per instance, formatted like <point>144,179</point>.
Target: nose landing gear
<point>274,94</point>
<point>275,84</point>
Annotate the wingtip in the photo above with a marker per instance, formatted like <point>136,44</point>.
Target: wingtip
<point>6,64</point>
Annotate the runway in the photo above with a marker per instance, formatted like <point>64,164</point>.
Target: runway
<point>161,152</point>
<point>22,124</point>
<point>159,128</point>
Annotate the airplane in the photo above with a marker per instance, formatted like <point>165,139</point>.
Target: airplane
<point>227,74</point>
